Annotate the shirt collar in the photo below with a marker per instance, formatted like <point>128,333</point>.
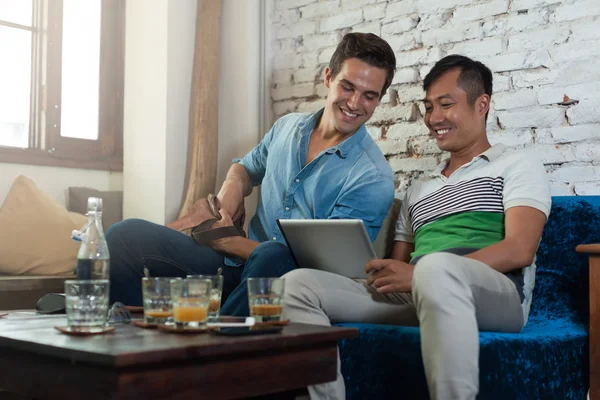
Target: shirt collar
<point>493,152</point>
<point>308,125</point>
<point>490,155</point>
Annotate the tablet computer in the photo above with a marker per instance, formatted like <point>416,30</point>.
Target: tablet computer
<point>340,246</point>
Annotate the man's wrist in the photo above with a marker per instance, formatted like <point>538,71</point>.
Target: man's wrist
<point>230,245</point>
<point>234,246</point>
<point>223,244</point>
<point>232,188</point>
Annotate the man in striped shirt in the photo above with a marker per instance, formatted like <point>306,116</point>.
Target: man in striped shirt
<point>465,244</point>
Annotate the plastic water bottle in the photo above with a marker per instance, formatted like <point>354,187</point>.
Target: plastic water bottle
<point>93,259</point>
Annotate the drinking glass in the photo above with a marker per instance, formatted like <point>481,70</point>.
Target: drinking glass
<point>157,300</point>
<point>215,295</point>
<point>191,302</point>
<point>86,303</point>
<point>175,285</point>
<point>265,298</point>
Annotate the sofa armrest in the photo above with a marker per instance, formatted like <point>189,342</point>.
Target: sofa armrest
<point>593,251</point>
<point>23,291</point>
<point>588,248</point>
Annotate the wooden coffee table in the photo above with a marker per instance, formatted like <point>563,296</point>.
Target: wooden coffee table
<point>132,363</point>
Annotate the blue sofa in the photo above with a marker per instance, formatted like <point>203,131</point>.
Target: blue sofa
<point>549,359</point>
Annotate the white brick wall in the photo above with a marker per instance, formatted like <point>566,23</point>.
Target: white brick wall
<point>586,112</point>
<point>452,33</point>
<point>539,51</point>
<point>538,39</point>
<point>320,9</point>
<point>515,99</point>
<point>479,11</point>
<point>402,24</point>
<point>579,9</point>
<point>534,18</point>
<point>340,21</point>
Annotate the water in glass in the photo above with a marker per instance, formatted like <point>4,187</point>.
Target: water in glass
<point>87,304</point>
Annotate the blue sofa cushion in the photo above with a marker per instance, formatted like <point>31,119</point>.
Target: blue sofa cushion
<point>548,359</point>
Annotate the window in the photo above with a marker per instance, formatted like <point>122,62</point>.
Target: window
<point>61,75</point>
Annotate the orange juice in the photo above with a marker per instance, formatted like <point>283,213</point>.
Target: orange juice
<point>158,314</point>
<point>266,309</point>
<point>190,314</point>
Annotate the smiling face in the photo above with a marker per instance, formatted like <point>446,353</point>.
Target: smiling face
<point>456,125</point>
<point>353,95</point>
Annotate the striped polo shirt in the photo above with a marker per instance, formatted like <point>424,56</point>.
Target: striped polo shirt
<point>464,212</point>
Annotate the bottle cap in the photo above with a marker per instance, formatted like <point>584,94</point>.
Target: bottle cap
<point>94,204</point>
<point>77,236</point>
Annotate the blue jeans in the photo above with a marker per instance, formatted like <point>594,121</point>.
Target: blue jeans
<point>268,260</point>
<point>135,244</point>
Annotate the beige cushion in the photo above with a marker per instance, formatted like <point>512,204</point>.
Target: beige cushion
<point>35,232</point>
<point>385,239</point>
<point>112,203</point>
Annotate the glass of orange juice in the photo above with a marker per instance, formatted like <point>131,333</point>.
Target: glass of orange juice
<point>215,295</point>
<point>191,301</point>
<point>157,300</point>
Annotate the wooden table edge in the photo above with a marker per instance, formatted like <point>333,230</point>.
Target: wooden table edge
<point>127,360</point>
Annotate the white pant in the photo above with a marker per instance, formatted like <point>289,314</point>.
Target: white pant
<point>453,297</point>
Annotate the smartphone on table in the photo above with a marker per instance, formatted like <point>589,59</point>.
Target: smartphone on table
<point>247,330</point>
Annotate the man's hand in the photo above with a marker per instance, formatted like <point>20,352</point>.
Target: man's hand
<point>221,244</point>
<point>389,276</point>
<point>199,212</point>
<point>237,246</point>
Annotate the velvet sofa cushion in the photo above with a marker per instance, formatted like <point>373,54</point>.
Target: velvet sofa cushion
<point>543,361</point>
<point>547,360</point>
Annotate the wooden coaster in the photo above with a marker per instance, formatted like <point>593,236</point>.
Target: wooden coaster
<point>273,323</point>
<point>135,309</point>
<point>82,332</point>
<point>174,329</point>
<point>141,324</point>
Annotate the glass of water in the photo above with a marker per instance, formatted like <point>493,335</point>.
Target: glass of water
<point>215,295</point>
<point>265,298</point>
<point>157,300</point>
<point>87,304</point>
<point>191,302</point>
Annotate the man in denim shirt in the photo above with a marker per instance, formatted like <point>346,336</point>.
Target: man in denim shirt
<point>310,166</point>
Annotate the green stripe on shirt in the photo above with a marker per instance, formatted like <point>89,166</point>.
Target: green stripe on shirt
<point>468,229</point>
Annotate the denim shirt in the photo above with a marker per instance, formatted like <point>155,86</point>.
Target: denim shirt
<point>349,181</point>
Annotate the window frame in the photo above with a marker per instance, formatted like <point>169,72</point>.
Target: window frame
<point>50,148</point>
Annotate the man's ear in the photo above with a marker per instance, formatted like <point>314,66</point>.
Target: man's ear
<point>482,104</point>
<point>327,77</point>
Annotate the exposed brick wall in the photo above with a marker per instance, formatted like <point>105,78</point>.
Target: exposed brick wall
<point>539,50</point>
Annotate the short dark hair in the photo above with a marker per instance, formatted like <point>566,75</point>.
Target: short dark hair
<point>368,48</point>
<point>475,78</point>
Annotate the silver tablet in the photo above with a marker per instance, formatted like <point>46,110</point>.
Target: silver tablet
<point>340,246</point>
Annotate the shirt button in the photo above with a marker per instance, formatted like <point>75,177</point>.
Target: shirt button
<point>287,209</point>
<point>274,238</point>
<point>297,180</point>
